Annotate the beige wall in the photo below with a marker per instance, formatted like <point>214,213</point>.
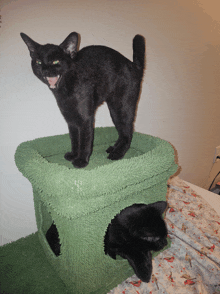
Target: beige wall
<point>180,95</point>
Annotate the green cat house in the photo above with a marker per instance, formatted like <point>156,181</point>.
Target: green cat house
<point>82,202</point>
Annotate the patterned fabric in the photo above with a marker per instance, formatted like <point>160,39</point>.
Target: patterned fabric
<point>192,263</point>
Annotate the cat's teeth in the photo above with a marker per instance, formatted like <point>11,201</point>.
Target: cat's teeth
<point>52,81</point>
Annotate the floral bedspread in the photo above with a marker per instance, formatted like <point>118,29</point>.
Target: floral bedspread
<point>192,263</point>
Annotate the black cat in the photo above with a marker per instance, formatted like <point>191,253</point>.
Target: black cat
<point>134,233</point>
<point>83,80</point>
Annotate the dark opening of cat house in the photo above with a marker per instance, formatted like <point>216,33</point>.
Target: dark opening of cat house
<point>53,240</point>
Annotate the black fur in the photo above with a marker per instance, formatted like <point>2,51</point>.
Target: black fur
<point>83,80</point>
<point>134,233</point>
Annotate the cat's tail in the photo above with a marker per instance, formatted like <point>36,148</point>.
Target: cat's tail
<point>139,52</point>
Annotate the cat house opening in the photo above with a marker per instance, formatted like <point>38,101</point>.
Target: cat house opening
<point>49,229</point>
<point>53,240</point>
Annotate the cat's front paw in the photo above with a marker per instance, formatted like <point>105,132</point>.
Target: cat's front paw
<point>110,149</point>
<point>69,156</point>
<point>114,155</point>
<point>80,163</point>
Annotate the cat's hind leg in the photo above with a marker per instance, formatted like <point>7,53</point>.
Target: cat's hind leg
<point>123,119</point>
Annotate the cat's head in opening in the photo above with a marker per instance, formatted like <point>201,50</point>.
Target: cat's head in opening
<point>51,62</point>
<point>134,233</point>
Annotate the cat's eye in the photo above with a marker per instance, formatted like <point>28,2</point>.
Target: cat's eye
<point>38,61</point>
<point>56,61</point>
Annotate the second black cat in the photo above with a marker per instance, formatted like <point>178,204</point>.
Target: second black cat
<point>134,233</point>
<point>83,80</point>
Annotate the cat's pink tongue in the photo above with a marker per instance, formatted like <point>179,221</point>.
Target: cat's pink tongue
<point>52,81</point>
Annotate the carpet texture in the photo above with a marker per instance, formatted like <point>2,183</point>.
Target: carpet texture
<point>82,202</point>
<point>24,269</point>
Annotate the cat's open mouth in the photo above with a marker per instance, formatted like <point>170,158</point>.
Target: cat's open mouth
<point>53,81</point>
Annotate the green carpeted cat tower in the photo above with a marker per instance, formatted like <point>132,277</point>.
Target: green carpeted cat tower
<point>82,202</point>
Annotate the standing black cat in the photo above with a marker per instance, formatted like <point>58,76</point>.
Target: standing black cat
<point>134,233</point>
<point>82,80</point>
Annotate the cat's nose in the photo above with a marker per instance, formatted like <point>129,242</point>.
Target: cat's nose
<point>45,70</point>
<point>48,73</point>
<point>164,243</point>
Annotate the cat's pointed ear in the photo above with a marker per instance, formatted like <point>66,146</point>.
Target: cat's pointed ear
<point>160,206</point>
<point>70,44</point>
<point>32,45</point>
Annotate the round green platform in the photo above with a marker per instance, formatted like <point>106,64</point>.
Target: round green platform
<point>82,202</point>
